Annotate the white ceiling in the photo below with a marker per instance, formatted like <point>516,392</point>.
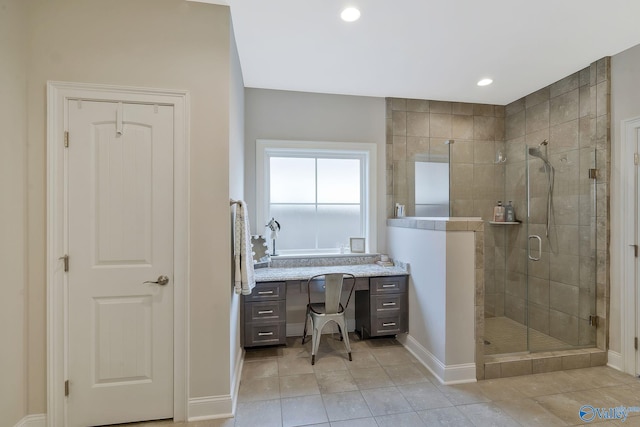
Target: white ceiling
<point>427,49</point>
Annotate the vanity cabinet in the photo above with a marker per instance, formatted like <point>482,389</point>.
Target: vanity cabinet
<point>383,309</point>
<point>264,315</point>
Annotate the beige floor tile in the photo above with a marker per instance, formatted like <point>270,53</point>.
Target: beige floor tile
<point>386,401</point>
<point>528,412</point>
<point>487,414</point>
<point>362,359</point>
<point>545,384</point>
<point>389,356</point>
<point>266,413</point>
<point>422,396</point>
<point>405,374</point>
<point>335,382</point>
<point>360,422</point>
<point>345,406</point>
<point>444,417</point>
<point>367,378</point>
<point>331,362</point>
<point>294,366</point>
<point>395,420</point>
<point>260,369</point>
<point>304,410</point>
<point>259,389</point>
<point>298,385</point>
<point>462,394</point>
<point>500,389</point>
<point>563,406</point>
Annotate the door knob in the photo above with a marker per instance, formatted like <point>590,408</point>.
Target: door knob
<point>162,280</point>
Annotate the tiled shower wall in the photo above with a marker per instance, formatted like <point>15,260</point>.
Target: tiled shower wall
<point>421,127</point>
<point>571,277</point>
<point>574,115</point>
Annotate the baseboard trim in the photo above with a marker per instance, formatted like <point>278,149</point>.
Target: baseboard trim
<point>35,420</point>
<point>446,374</point>
<point>614,360</point>
<point>210,408</point>
<point>235,381</point>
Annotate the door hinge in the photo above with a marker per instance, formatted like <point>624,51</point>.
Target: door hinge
<point>65,259</point>
<point>593,320</point>
<point>66,388</point>
<point>593,173</point>
<point>66,139</point>
<point>635,250</point>
<point>635,343</point>
<point>636,159</point>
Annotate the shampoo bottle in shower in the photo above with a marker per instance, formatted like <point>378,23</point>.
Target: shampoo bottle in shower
<point>509,213</point>
<point>498,212</point>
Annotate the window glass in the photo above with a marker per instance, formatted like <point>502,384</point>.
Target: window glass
<point>292,180</point>
<point>338,181</point>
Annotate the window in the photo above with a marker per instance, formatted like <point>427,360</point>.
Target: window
<point>318,192</point>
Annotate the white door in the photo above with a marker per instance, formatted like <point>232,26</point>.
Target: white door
<point>120,235</point>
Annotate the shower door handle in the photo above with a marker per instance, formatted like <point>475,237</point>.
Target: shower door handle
<point>532,258</point>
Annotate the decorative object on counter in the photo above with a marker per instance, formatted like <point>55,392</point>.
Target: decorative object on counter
<point>274,226</point>
<point>385,261</point>
<point>498,212</point>
<point>399,210</point>
<point>244,281</point>
<point>509,213</point>
<point>357,245</point>
<point>261,256</point>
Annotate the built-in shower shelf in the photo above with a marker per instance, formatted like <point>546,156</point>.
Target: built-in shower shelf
<point>504,223</point>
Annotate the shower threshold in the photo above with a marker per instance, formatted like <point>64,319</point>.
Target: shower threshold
<point>527,363</point>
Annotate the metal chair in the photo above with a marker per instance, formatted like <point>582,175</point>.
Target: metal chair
<point>321,313</point>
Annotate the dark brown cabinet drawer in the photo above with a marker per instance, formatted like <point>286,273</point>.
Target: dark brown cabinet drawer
<point>264,333</point>
<point>387,325</point>
<point>265,291</point>
<point>387,303</point>
<point>265,311</point>
<point>391,284</point>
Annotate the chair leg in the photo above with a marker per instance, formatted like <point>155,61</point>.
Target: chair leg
<point>306,320</point>
<point>340,331</point>
<point>315,338</point>
<point>346,337</point>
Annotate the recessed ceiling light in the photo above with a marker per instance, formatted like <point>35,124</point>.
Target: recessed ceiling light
<point>350,14</point>
<point>485,82</point>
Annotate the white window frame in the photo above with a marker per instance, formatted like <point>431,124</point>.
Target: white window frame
<point>367,152</point>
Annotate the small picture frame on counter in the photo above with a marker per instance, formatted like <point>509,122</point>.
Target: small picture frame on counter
<point>357,245</point>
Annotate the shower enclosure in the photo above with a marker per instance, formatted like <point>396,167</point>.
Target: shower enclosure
<point>545,266</point>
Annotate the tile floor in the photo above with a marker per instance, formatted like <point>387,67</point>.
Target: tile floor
<point>385,385</point>
<point>505,335</point>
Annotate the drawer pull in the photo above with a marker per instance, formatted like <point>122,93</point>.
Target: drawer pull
<point>265,312</point>
<point>265,292</point>
<point>392,285</point>
<point>389,324</point>
<point>387,304</point>
<point>268,334</point>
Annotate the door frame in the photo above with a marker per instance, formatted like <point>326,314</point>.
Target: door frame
<point>629,303</point>
<point>58,93</point>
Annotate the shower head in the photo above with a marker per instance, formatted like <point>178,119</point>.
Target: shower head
<point>545,142</point>
<point>535,152</point>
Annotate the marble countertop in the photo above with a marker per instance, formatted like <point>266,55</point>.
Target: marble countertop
<point>438,223</point>
<point>303,273</point>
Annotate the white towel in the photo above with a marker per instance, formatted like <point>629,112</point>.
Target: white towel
<point>245,279</point>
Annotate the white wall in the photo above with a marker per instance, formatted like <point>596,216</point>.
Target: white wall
<point>272,114</point>
<point>441,297</point>
<point>153,43</point>
<point>625,104</point>
<point>13,210</point>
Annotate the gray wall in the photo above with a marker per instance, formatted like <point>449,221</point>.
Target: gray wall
<point>13,209</point>
<point>158,43</point>
<point>271,114</point>
<point>625,104</point>
<point>236,181</point>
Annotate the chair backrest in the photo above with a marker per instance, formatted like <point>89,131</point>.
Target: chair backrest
<point>333,284</point>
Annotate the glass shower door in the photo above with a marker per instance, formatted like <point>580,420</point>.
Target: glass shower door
<point>560,247</point>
